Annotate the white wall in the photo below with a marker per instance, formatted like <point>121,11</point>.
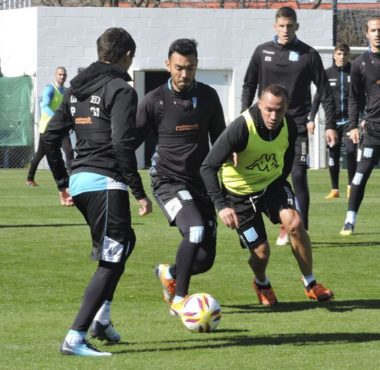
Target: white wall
<point>18,42</point>
<point>37,40</point>
<point>66,36</point>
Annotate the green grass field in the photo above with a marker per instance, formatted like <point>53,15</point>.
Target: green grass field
<point>45,266</point>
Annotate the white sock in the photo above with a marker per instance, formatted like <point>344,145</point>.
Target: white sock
<point>74,337</point>
<point>307,280</point>
<point>351,217</point>
<point>262,282</point>
<point>104,313</point>
<point>177,298</point>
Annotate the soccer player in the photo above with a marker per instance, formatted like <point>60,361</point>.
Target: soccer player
<point>364,93</point>
<point>339,77</point>
<point>264,137</point>
<point>100,106</point>
<point>186,115</point>
<point>51,99</point>
<point>288,61</point>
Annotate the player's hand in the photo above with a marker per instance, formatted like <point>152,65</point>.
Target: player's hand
<point>229,217</point>
<point>65,198</point>
<point>354,135</point>
<point>310,127</point>
<point>145,206</point>
<point>331,137</point>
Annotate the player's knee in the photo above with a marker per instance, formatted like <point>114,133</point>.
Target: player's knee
<point>292,221</point>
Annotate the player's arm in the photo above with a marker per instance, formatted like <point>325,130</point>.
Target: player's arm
<point>290,151</point>
<point>59,125</point>
<point>146,117</point>
<point>47,97</point>
<point>123,124</point>
<point>313,112</point>
<point>218,123</point>
<point>250,81</point>
<point>356,101</point>
<point>233,139</point>
<point>324,91</point>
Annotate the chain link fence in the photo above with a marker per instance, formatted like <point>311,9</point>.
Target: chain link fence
<point>16,121</point>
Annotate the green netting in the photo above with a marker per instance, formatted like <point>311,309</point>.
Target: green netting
<point>16,121</point>
<point>16,118</point>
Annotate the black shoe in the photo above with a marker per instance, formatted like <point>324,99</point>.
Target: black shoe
<point>104,332</point>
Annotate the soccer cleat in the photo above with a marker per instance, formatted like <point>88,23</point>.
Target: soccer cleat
<point>31,183</point>
<point>348,229</point>
<point>176,309</point>
<point>334,193</point>
<point>283,237</point>
<point>348,191</point>
<point>104,332</point>
<point>266,296</point>
<point>83,348</point>
<point>168,285</point>
<point>318,292</point>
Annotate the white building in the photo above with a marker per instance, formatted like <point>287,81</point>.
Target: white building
<point>34,41</point>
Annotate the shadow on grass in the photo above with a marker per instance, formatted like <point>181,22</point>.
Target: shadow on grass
<point>333,306</point>
<point>39,225</point>
<point>215,341</point>
<point>47,225</point>
<point>344,243</point>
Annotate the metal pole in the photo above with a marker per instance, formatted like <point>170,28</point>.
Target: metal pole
<point>334,6</point>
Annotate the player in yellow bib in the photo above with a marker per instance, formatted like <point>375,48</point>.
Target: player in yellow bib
<point>264,139</point>
<point>51,99</point>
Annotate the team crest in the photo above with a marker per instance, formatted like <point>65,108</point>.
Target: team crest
<point>294,56</point>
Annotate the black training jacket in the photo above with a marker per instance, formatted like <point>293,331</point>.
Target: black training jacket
<point>365,92</point>
<point>293,66</point>
<point>100,106</point>
<point>339,79</point>
<point>185,124</point>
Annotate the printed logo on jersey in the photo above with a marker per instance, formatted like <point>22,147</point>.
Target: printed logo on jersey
<point>294,56</point>
<point>73,99</point>
<point>83,121</point>
<point>95,99</point>
<point>267,59</point>
<point>268,52</point>
<point>265,163</point>
<point>185,127</point>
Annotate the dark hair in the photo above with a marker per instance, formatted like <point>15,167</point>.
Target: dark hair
<point>372,18</point>
<point>183,47</point>
<point>276,90</point>
<point>342,46</point>
<point>286,12</point>
<point>113,44</point>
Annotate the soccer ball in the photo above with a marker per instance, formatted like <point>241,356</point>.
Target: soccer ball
<point>201,313</point>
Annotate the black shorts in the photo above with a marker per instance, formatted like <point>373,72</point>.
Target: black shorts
<point>172,196</point>
<point>301,155</point>
<point>276,197</point>
<point>108,214</point>
<point>369,150</point>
